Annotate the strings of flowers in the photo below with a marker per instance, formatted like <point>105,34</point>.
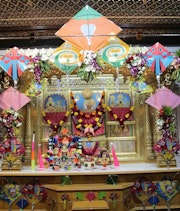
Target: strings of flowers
<point>11,120</point>
<point>167,146</point>
<point>136,64</point>
<point>116,117</point>
<point>11,147</point>
<point>90,66</point>
<point>78,116</point>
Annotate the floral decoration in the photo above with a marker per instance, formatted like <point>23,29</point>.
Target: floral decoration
<point>53,123</point>
<point>124,118</point>
<point>167,146</point>
<point>90,66</point>
<point>11,148</point>
<point>136,64</point>
<point>11,120</point>
<point>78,116</point>
<point>175,76</point>
<point>166,121</point>
<point>143,188</point>
<point>39,64</point>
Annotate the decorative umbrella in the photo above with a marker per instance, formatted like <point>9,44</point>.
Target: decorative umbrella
<point>88,29</point>
<point>115,52</point>
<point>66,57</point>
<point>158,58</point>
<point>163,97</point>
<point>34,192</point>
<point>13,99</point>
<point>14,63</point>
<point>167,189</point>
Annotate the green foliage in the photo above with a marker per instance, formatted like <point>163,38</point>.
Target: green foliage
<point>177,53</point>
<point>167,110</point>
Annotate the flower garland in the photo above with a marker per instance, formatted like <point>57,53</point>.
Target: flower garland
<point>55,125</point>
<point>166,122</point>
<point>125,117</point>
<point>167,145</point>
<point>90,67</point>
<point>78,116</point>
<point>136,64</point>
<point>11,120</point>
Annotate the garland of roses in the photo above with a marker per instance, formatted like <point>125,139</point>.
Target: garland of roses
<point>55,125</point>
<point>78,115</point>
<point>125,117</point>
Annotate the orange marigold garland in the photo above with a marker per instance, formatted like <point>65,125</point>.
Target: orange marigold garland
<point>124,118</point>
<point>78,115</point>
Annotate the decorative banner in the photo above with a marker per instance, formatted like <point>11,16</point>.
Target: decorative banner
<point>14,63</point>
<point>115,52</point>
<point>88,29</point>
<point>66,58</point>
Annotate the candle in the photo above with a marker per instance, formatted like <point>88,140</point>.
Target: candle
<point>33,152</point>
<point>41,164</point>
<point>116,162</point>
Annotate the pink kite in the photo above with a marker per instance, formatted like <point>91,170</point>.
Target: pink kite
<point>163,97</point>
<point>13,99</point>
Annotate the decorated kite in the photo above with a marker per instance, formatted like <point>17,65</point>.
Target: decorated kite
<point>14,63</point>
<point>88,29</point>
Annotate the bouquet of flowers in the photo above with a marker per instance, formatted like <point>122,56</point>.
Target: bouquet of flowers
<point>90,67</point>
<point>136,64</point>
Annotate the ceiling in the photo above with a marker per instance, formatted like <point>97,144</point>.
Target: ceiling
<point>33,23</point>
